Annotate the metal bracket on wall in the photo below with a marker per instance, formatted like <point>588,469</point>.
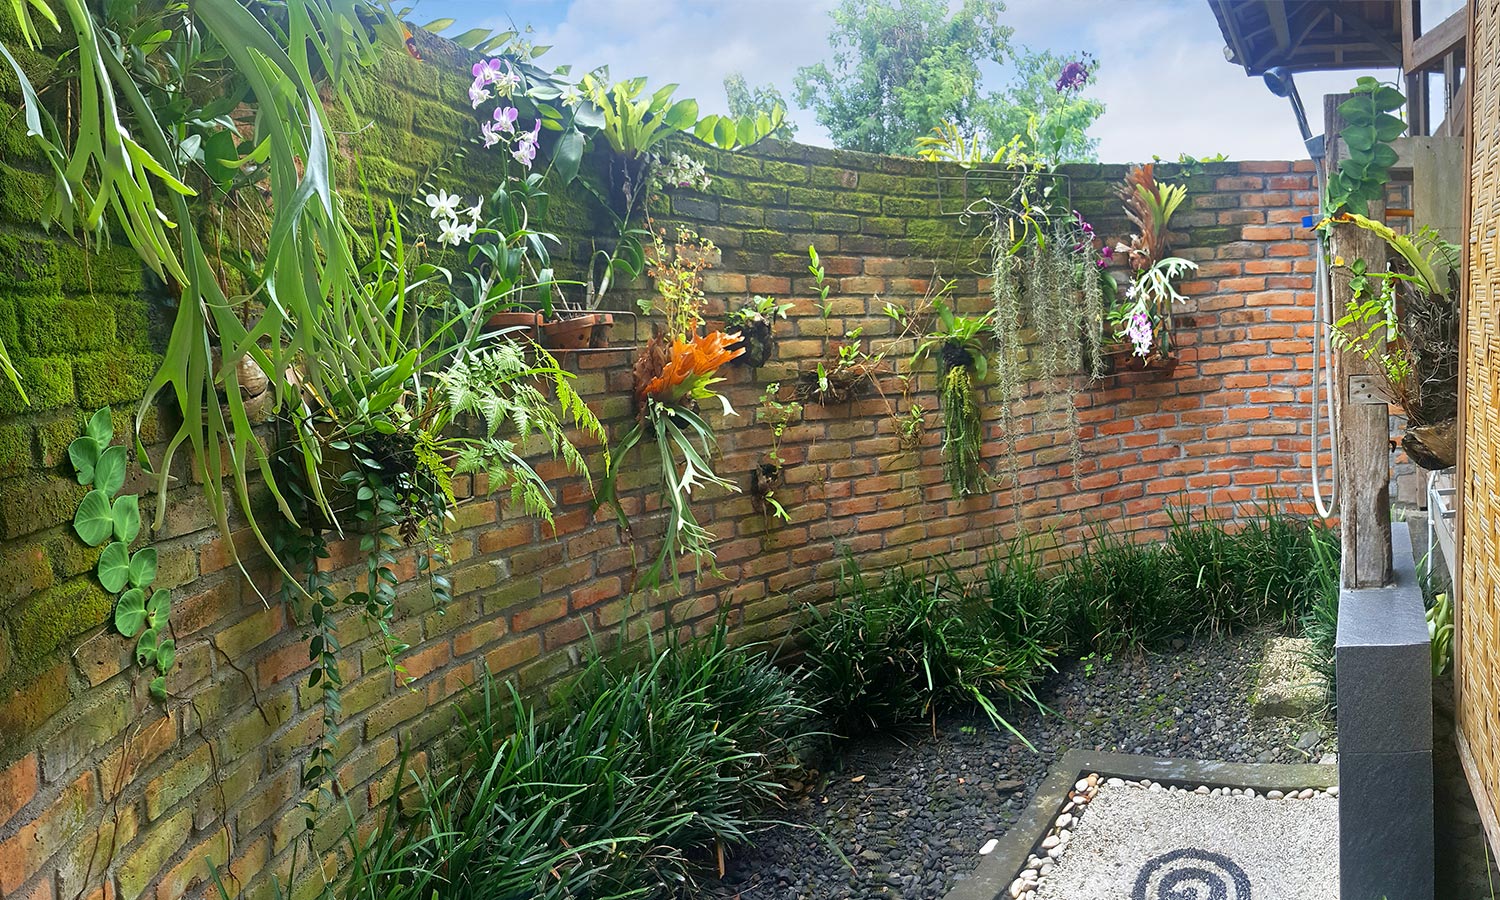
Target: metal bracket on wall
<point>957,194</point>
<point>1364,390</point>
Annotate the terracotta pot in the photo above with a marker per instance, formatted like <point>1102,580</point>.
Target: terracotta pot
<point>577,332</point>
<point>513,321</point>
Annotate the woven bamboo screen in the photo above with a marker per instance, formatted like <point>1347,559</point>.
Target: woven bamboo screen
<point>1479,462</point>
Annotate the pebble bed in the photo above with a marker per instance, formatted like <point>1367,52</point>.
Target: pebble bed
<point>910,812</point>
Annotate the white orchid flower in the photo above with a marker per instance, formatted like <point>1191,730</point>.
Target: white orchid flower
<point>444,205</point>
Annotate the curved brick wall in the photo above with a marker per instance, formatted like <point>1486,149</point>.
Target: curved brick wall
<point>104,793</point>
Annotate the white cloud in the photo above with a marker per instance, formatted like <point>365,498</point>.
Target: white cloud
<point>1163,77</point>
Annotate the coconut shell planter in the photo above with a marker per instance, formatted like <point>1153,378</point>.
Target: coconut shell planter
<point>757,339</point>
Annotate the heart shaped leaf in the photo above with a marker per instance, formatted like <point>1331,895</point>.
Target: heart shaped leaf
<point>159,687</point>
<point>159,607</point>
<point>130,612</point>
<point>125,517</point>
<point>145,648</point>
<point>109,471</point>
<point>114,567</point>
<point>143,567</point>
<point>84,454</point>
<point>93,521</point>
<point>101,428</point>
<point>166,655</point>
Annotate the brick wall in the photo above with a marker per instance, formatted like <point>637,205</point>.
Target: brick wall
<point>104,793</point>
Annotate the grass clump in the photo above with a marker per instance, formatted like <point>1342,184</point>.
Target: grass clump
<point>619,793</point>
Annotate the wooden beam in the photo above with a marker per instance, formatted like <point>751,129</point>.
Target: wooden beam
<point>1370,33</point>
<point>1226,12</point>
<point>1460,477</point>
<point>1276,13</point>
<point>1427,50</point>
<point>1411,23</point>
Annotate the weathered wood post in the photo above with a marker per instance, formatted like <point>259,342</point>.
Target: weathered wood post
<point>1363,422</point>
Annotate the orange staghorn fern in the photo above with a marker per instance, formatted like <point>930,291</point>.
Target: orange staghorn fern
<point>689,372</point>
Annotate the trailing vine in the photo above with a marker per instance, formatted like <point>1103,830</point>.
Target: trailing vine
<point>104,519</point>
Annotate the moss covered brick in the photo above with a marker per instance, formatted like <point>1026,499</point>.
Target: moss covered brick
<point>24,196</point>
<point>25,261</point>
<point>48,381</point>
<point>41,625</point>
<point>107,269</point>
<point>104,379</point>
<point>36,501</point>
<point>15,448</point>
<point>50,327</point>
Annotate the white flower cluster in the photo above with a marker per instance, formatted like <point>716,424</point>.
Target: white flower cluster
<point>678,170</point>
<point>452,231</point>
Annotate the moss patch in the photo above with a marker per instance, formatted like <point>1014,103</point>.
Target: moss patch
<point>34,502</point>
<point>109,269</point>
<point>53,327</point>
<point>26,262</point>
<point>108,379</point>
<point>51,618</point>
<point>48,382</point>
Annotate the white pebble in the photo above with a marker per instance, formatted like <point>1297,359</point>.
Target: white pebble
<point>1049,842</point>
<point>1016,887</point>
<point>1063,836</point>
<point>1333,791</point>
<point>1047,868</point>
<point>1055,852</point>
<point>1115,782</point>
<point>1275,795</point>
<point>1082,785</point>
<point>1064,820</point>
<point>989,847</point>
<point>1306,794</point>
<point>1035,862</point>
<point>1201,789</point>
<point>1250,792</point>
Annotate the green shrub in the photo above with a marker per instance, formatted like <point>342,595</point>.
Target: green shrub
<point>1122,595</point>
<point>616,795</point>
<point>900,650</point>
<point>1320,618</point>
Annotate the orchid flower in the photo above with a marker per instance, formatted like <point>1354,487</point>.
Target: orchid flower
<point>475,212</point>
<point>489,133</point>
<point>444,205</point>
<point>450,232</point>
<point>505,119</point>
<point>525,152</point>
<point>478,93</point>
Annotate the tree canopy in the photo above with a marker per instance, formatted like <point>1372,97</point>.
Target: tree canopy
<point>747,101</point>
<point>901,68</point>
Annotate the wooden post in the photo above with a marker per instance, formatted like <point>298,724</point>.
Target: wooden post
<point>1361,414</point>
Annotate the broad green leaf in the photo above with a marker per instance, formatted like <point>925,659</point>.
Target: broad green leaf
<point>159,607</point>
<point>114,567</point>
<point>84,454</point>
<point>109,470</point>
<point>1385,156</point>
<point>159,687</point>
<point>437,26</point>
<point>724,133</point>
<point>569,155</point>
<point>1357,111</point>
<point>745,132</point>
<point>166,655</point>
<point>130,612</point>
<point>1388,127</point>
<point>145,647</point>
<point>472,38</point>
<point>100,427</point>
<point>143,567</point>
<point>126,517</point>
<point>1359,137</point>
<point>1388,98</point>
<point>682,115</point>
<point>93,521</point>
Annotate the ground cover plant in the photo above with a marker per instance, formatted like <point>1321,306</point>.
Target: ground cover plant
<point>896,651</point>
<point>646,769</point>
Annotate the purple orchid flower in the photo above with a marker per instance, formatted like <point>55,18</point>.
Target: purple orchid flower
<point>505,119</point>
<point>525,152</point>
<point>1074,76</point>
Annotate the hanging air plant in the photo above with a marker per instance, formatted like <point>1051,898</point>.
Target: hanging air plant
<point>958,342</point>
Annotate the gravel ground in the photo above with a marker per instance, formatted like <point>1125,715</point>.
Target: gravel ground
<point>910,811</point>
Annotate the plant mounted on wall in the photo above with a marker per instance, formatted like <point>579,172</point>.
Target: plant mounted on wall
<point>670,385</point>
<point>114,522</point>
<point>1046,277</point>
<point>1142,319</point>
<point>846,371</point>
<point>959,343</point>
<point>755,322</point>
<point>764,478</point>
<point>1404,317</point>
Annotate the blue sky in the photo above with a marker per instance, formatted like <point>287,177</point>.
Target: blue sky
<point>1162,77</point>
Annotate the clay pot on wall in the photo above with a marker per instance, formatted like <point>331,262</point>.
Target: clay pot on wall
<point>1120,358</point>
<point>512,322</point>
<point>580,332</point>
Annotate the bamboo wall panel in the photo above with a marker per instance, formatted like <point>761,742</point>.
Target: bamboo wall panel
<point>1479,629</point>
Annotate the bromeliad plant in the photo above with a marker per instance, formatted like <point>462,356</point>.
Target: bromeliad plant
<point>959,343</point>
<point>671,384</point>
<point>1144,315</point>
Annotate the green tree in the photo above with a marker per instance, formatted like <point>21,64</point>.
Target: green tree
<point>1052,122</point>
<point>901,68</point>
<point>747,101</point>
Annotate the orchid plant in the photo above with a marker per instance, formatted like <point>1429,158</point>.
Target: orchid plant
<point>1144,316</point>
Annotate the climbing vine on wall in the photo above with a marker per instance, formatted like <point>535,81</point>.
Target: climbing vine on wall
<point>113,522</point>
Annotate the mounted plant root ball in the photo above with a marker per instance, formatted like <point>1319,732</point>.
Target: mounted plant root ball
<point>956,356</point>
<point>758,340</point>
